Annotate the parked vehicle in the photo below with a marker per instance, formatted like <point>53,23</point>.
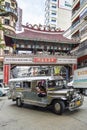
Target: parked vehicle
<point>57,96</point>
<point>70,83</point>
<point>80,80</point>
<point>3,89</point>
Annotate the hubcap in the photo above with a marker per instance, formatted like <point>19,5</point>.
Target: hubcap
<point>57,107</point>
<point>19,102</point>
<point>1,93</point>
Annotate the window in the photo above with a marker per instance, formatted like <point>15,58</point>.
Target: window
<point>6,51</point>
<point>53,26</point>
<point>53,5</point>
<point>14,25</point>
<point>26,84</point>
<point>12,4</point>
<point>7,21</point>
<point>0,86</point>
<point>54,0</point>
<point>22,46</point>
<point>53,20</point>
<point>53,12</point>
<point>7,5</point>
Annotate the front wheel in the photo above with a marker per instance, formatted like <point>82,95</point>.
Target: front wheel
<point>18,102</point>
<point>1,94</point>
<point>58,107</point>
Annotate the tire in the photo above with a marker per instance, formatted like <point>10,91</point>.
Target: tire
<point>18,102</point>
<point>58,107</point>
<point>1,94</point>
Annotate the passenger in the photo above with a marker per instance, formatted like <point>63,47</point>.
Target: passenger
<point>41,91</point>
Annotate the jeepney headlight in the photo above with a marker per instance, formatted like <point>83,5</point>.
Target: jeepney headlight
<point>71,91</point>
<point>67,94</point>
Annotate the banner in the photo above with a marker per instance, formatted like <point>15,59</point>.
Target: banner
<point>65,4</point>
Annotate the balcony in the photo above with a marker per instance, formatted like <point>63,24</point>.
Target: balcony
<point>83,34</point>
<point>77,12</point>
<point>6,11</point>
<point>83,14</point>
<point>84,2</point>
<point>1,7</point>
<point>85,17</point>
<point>75,3</point>
<point>82,49</point>
<point>11,10</point>
<point>84,31</point>
<point>2,11</point>
<point>77,26</point>
<point>76,38</point>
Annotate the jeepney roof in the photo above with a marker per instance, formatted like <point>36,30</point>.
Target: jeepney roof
<point>35,78</point>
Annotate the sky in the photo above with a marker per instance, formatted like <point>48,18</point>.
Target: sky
<point>33,11</point>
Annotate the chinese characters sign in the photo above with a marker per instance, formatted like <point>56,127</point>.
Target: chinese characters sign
<point>44,60</point>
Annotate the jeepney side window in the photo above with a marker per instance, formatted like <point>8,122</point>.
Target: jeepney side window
<point>33,85</point>
<point>18,85</point>
<point>60,83</point>
<point>26,85</point>
<point>12,85</point>
<point>57,84</point>
<point>51,84</point>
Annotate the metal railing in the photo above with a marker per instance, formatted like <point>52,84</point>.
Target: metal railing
<point>77,12</point>
<point>74,3</point>
<point>40,55</point>
<point>10,10</point>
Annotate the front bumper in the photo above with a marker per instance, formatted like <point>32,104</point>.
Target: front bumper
<point>76,102</point>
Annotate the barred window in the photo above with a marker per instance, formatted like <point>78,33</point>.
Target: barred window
<point>7,21</point>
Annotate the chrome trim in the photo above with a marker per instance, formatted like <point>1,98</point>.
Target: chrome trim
<point>36,103</point>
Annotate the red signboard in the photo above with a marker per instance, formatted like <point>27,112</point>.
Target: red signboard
<point>45,60</point>
<point>6,73</point>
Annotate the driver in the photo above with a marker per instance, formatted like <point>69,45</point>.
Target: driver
<point>41,91</point>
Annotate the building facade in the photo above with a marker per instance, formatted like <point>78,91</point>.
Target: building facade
<point>19,22</point>
<point>79,29</point>
<point>58,13</point>
<point>8,21</point>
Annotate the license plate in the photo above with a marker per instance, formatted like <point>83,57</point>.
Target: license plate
<point>78,103</point>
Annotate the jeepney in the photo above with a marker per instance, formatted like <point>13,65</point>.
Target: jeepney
<point>58,96</point>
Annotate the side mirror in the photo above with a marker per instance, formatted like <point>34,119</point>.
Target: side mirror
<point>85,92</point>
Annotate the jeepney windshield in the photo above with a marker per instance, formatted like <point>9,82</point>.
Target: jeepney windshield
<point>56,84</point>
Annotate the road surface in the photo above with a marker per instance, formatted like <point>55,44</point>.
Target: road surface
<point>36,118</point>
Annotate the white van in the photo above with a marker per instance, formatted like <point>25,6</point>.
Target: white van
<point>70,84</point>
<point>3,89</point>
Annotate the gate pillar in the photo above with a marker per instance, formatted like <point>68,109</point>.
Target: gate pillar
<point>6,74</point>
<point>74,67</point>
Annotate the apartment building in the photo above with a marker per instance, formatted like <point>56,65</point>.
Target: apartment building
<point>79,29</point>
<point>19,22</point>
<point>58,13</point>
<point>8,21</point>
